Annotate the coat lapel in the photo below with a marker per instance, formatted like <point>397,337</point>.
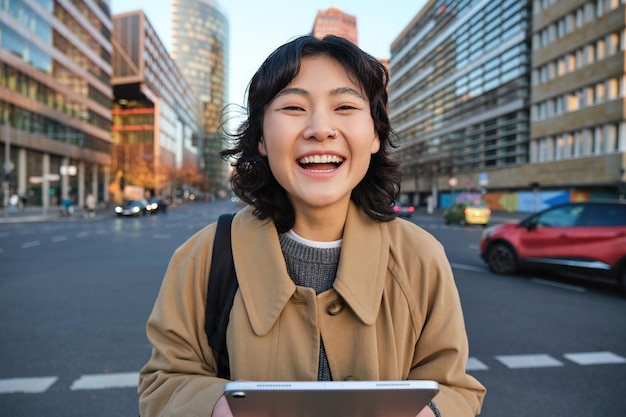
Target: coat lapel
<point>261,271</point>
<point>363,264</point>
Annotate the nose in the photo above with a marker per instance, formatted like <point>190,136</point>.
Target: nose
<point>320,129</point>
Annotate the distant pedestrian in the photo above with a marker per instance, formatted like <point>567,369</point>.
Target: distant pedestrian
<point>67,209</point>
<point>24,199</point>
<point>90,205</point>
<point>14,202</point>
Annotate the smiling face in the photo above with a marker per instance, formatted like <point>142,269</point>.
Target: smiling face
<point>318,136</point>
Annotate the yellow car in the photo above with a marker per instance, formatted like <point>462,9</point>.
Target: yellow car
<point>468,212</point>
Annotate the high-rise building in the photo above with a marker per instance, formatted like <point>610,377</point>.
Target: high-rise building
<point>459,97</point>
<point>334,21</point>
<point>55,100</point>
<point>578,127</point>
<point>200,43</point>
<point>156,114</point>
<point>520,101</point>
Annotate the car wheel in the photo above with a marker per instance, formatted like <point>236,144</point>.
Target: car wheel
<point>502,259</point>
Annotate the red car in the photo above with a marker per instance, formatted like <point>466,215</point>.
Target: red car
<point>585,238</point>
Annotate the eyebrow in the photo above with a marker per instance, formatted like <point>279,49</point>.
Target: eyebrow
<point>333,92</point>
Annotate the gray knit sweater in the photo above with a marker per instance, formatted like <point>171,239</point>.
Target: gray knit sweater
<point>315,268</point>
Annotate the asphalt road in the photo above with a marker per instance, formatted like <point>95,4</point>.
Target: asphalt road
<point>75,295</point>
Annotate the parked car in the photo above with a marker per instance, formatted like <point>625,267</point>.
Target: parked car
<point>468,212</point>
<point>132,208</point>
<point>157,205</point>
<point>403,209</point>
<point>584,238</point>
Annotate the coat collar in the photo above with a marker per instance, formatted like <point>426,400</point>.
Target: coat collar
<point>266,287</point>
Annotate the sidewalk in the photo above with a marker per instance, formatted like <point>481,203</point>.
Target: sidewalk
<point>38,214</point>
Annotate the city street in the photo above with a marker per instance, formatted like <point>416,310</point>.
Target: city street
<point>75,295</point>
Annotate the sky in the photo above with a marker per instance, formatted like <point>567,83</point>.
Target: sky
<point>257,27</point>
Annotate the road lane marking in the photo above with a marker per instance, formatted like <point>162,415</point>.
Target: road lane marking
<point>83,234</point>
<point>160,236</point>
<point>559,285</point>
<point>469,267</point>
<point>528,361</point>
<point>30,244</point>
<point>26,385</point>
<point>595,358</point>
<point>102,381</point>
<point>59,238</point>
<point>474,364</point>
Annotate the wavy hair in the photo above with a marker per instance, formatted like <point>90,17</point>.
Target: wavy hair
<point>252,179</point>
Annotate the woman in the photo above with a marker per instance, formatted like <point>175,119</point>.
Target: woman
<point>331,285</point>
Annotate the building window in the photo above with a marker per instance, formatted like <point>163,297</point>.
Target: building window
<point>611,138</point>
<point>590,54</point>
<point>559,105</point>
<point>580,21</point>
<point>590,12</point>
<point>598,141</point>
<point>600,49</point>
<point>613,89</point>
<point>590,96</point>
<point>600,94</point>
<point>562,66</point>
<point>612,44</point>
<point>571,62</point>
<point>572,102</point>
<point>586,142</point>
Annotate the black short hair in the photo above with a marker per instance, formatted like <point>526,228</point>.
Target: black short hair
<point>252,179</point>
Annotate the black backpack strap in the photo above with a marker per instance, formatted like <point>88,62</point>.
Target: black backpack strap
<point>220,294</point>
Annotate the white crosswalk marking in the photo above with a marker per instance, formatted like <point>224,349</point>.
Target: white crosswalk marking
<point>26,385</point>
<point>528,361</point>
<point>102,381</point>
<point>595,358</point>
<point>474,364</point>
<point>30,244</point>
<point>130,379</point>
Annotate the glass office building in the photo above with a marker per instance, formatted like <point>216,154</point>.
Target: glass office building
<point>55,100</point>
<point>200,42</point>
<point>156,113</point>
<point>459,95</point>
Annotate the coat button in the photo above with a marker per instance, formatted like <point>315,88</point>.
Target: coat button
<point>335,307</point>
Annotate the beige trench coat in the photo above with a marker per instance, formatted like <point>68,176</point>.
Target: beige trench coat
<point>394,313</point>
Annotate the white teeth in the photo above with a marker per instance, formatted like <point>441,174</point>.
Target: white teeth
<point>321,159</point>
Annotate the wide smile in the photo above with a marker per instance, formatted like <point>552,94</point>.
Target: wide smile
<point>321,163</point>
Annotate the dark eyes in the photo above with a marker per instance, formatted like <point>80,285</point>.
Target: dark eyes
<point>293,108</point>
<point>297,108</point>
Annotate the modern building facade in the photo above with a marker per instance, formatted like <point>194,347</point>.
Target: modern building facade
<point>200,45</point>
<point>459,97</point>
<point>55,100</point>
<point>578,109</point>
<point>334,21</point>
<point>156,114</point>
<point>517,102</point>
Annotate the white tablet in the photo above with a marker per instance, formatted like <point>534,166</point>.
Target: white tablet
<point>329,399</point>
